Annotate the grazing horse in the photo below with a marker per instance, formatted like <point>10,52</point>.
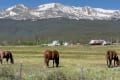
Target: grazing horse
<point>7,55</point>
<point>112,55</point>
<point>51,55</point>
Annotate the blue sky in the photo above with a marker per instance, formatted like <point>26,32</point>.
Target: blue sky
<point>106,4</point>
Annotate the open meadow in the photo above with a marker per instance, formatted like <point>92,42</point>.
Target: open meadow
<point>76,63</point>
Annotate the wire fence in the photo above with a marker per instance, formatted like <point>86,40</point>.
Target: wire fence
<point>29,72</point>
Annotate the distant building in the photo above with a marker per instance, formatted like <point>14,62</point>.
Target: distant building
<point>99,42</point>
<point>54,43</point>
<point>65,44</point>
<point>57,43</point>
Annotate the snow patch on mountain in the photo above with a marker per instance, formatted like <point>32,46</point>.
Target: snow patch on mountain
<point>55,10</point>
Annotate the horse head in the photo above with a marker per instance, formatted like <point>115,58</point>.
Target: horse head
<point>117,61</point>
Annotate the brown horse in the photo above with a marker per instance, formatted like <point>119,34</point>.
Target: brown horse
<point>51,55</point>
<point>112,55</point>
<point>7,55</point>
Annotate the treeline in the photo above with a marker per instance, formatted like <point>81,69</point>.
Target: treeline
<point>30,32</point>
<point>39,41</point>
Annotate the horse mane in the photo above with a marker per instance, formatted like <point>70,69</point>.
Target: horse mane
<point>9,54</point>
<point>11,58</point>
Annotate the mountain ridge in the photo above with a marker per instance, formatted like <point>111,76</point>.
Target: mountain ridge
<point>56,10</point>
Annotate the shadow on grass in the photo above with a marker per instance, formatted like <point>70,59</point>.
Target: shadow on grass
<point>55,67</point>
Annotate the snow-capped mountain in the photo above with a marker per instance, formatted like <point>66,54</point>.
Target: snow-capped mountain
<point>56,10</point>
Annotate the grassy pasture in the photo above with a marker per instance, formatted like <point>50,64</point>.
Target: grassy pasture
<point>76,63</point>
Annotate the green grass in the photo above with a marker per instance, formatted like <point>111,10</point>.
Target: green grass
<point>76,62</point>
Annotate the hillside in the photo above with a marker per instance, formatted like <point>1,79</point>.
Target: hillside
<point>60,29</point>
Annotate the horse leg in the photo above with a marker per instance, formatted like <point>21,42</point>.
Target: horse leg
<point>47,62</point>
<point>108,62</point>
<point>57,62</point>
<point>53,62</point>
<point>1,61</point>
<point>7,59</point>
<point>11,58</point>
<point>114,63</point>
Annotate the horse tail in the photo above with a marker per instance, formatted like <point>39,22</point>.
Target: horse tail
<point>11,58</point>
<point>58,58</point>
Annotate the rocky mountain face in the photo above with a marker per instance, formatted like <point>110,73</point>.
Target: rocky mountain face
<point>57,10</point>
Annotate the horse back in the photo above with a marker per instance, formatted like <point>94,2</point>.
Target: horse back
<point>114,54</point>
<point>55,54</point>
<point>111,54</point>
<point>48,54</point>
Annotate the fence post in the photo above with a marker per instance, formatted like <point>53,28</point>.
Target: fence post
<point>81,73</point>
<point>111,78</point>
<point>21,71</point>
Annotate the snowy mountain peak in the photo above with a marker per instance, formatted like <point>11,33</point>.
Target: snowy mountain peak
<point>50,5</point>
<point>55,10</point>
<point>19,6</point>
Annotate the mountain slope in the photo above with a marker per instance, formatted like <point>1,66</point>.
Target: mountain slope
<point>56,10</point>
<point>60,29</point>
